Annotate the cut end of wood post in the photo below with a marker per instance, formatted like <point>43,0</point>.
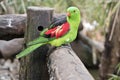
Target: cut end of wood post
<point>40,8</point>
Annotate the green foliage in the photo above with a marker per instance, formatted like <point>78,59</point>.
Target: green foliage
<point>91,9</point>
<point>115,77</point>
<point>118,68</point>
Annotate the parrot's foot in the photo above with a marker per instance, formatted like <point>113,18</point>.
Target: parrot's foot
<point>51,49</point>
<point>66,46</point>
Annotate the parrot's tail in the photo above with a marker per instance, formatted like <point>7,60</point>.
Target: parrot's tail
<point>29,50</point>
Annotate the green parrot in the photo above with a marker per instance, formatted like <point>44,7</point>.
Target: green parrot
<point>60,32</point>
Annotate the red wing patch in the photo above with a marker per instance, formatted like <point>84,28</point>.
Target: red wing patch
<point>58,31</point>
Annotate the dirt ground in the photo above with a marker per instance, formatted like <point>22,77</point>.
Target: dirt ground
<point>9,69</point>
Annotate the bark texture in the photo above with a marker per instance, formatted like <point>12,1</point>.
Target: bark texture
<point>111,56</point>
<point>12,26</point>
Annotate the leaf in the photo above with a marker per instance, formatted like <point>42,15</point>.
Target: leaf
<point>118,66</point>
<point>114,77</point>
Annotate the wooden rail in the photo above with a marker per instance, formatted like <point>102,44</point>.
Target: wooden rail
<point>64,64</point>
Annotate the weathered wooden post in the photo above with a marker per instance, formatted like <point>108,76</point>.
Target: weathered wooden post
<point>33,66</point>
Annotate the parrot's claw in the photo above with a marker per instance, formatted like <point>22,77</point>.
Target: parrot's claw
<point>66,46</point>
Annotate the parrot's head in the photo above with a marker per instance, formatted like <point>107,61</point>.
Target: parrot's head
<point>73,13</point>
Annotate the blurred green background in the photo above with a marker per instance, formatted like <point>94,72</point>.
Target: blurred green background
<point>91,10</point>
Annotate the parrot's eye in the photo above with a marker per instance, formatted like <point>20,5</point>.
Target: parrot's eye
<point>74,11</point>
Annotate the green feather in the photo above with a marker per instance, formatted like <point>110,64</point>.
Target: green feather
<point>73,20</point>
<point>39,40</point>
<point>28,50</point>
<point>42,32</point>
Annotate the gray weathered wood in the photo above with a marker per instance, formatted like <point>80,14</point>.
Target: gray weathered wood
<point>97,45</point>
<point>12,26</point>
<point>1,0</point>
<point>65,65</point>
<point>33,66</point>
<point>11,47</point>
<point>83,51</point>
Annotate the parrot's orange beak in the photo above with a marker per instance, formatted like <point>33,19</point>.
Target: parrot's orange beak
<point>68,14</point>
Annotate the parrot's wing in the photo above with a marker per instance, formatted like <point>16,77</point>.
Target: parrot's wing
<point>58,28</point>
<point>55,22</point>
<point>58,31</point>
<point>28,50</point>
<point>39,40</point>
<point>58,21</point>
